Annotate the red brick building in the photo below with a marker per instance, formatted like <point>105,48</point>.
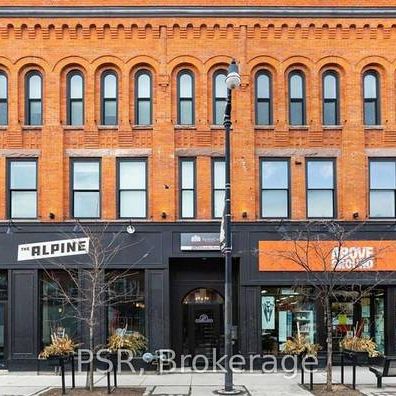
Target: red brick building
<point>114,114</point>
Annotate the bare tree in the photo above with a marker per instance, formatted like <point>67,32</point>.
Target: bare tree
<point>321,250</point>
<point>94,285</point>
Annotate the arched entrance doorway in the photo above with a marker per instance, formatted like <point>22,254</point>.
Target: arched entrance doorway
<point>203,323</point>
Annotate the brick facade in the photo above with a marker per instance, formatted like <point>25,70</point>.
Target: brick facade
<point>164,46</point>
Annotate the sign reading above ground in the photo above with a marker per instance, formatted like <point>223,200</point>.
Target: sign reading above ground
<point>200,241</point>
<point>327,256</point>
<point>40,250</point>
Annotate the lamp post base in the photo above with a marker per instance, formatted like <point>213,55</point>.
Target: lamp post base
<point>234,391</point>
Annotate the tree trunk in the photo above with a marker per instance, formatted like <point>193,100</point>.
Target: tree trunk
<point>90,372</point>
<point>329,342</point>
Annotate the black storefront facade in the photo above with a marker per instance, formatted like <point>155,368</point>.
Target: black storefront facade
<point>180,275</point>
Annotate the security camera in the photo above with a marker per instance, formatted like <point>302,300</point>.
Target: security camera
<point>131,229</point>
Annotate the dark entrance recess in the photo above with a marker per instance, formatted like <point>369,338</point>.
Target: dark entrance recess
<point>196,305</point>
<point>3,319</point>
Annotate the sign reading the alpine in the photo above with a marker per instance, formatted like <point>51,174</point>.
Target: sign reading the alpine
<point>40,250</point>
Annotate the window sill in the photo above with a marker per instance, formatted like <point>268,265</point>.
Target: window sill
<point>192,127</point>
<point>108,127</point>
<point>332,127</point>
<point>73,127</point>
<point>3,127</point>
<point>264,127</point>
<point>373,127</point>
<point>32,127</point>
<point>142,127</point>
<point>217,127</point>
<point>298,127</point>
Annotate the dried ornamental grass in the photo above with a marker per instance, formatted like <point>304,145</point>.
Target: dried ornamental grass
<point>133,342</point>
<point>360,344</point>
<point>299,345</point>
<point>60,346</point>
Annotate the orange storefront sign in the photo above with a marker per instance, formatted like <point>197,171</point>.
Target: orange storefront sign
<point>327,256</point>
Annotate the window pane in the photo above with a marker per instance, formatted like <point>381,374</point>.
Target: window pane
<point>35,113</point>
<point>296,113</point>
<point>185,85</point>
<point>219,111</point>
<point>110,112</point>
<point>110,86</point>
<point>86,204</point>
<point>35,87</point>
<point>330,113</point>
<point>186,116</point>
<point>218,204</point>
<point>144,86</point>
<point>133,204</point>
<point>370,113</point>
<point>320,203</point>
<point>263,113</point>
<point>187,174</point>
<point>187,207</point>
<point>132,175</point>
<point>274,203</point>
<point>76,113</point>
<point>382,204</point>
<point>220,86</point>
<point>3,113</point>
<point>3,86</point>
<point>263,86</point>
<point>86,175</point>
<point>23,175</point>
<point>330,86</point>
<point>382,175</point>
<point>144,109</point>
<point>275,174</point>
<point>219,174</point>
<point>296,86</point>
<point>370,86</point>
<point>23,204</point>
<point>320,174</point>
<point>76,87</point>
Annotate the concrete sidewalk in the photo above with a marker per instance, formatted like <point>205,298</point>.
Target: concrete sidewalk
<point>195,384</point>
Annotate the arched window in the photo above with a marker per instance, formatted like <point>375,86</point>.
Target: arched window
<point>185,98</point>
<point>219,96</point>
<point>3,99</point>
<point>371,98</point>
<point>109,98</point>
<point>143,101</point>
<point>263,98</point>
<point>296,98</point>
<point>75,98</point>
<point>331,105</point>
<point>34,101</point>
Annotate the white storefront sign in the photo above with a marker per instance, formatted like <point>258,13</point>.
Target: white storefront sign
<point>40,250</point>
<point>353,258</point>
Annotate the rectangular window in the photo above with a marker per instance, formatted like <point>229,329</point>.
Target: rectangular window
<point>86,189</point>
<point>274,188</point>
<point>382,188</point>
<point>132,193</point>
<point>187,190</point>
<point>320,188</point>
<point>218,184</point>
<point>23,189</point>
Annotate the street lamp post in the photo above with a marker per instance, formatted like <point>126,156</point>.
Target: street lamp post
<point>233,80</point>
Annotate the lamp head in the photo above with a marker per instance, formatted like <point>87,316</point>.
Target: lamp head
<point>233,79</point>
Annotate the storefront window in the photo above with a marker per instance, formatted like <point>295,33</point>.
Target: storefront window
<point>57,314</point>
<point>284,313</point>
<point>126,308</point>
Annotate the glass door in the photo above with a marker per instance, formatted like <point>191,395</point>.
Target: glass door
<point>3,321</point>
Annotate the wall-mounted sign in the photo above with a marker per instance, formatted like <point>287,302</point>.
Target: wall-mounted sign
<point>203,319</point>
<point>327,256</point>
<point>200,241</point>
<point>40,250</point>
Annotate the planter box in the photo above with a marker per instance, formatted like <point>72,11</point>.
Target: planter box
<point>360,357</point>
